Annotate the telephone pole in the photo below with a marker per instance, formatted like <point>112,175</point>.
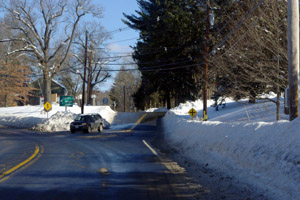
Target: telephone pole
<point>205,78</point>
<point>293,56</point>
<point>84,73</point>
<point>89,91</point>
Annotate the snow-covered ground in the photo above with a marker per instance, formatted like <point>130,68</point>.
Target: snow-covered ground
<point>242,140</point>
<point>34,117</point>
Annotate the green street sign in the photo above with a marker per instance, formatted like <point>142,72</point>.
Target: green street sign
<point>66,101</point>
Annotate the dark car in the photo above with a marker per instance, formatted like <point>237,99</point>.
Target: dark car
<point>87,123</point>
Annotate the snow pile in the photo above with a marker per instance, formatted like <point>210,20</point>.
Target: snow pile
<point>241,140</point>
<point>157,110</point>
<point>60,121</point>
<point>34,117</point>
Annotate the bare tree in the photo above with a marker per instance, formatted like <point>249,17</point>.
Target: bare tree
<point>254,59</point>
<point>96,72</point>
<point>125,86</point>
<point>14,72</point>
<point>48,28</point>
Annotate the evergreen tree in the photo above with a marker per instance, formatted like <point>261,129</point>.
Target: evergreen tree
<point>169,49</point>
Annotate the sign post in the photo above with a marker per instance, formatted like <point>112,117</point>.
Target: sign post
<point>47,107</point>
<point>66,101</point>
<point>192,112</point>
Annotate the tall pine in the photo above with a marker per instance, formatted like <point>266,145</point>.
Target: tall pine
<point>169,50</point>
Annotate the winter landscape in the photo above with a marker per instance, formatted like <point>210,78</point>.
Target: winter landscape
<point>147,66</point>
<point>242,140</point>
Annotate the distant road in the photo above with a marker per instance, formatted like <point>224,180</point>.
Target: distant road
<point>116,164</point>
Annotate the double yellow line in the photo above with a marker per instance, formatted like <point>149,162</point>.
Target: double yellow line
<point>136,124</point>
<point>119,131</point>
<point>4,175</point>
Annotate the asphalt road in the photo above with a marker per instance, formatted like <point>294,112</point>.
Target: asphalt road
<point>119,163</point>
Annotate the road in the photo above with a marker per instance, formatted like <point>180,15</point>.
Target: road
<point>119,163</point>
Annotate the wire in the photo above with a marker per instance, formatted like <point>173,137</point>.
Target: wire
<point>118,30</point>
<point>158,67</point>
<point>237,27</point>
<point>237,41</point>
<point>229,35</point>
<point>105,44</point>
<point>231,19</point>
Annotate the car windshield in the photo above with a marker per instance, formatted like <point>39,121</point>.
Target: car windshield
<point>82,118</point>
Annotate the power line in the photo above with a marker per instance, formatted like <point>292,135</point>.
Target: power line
<point>105,44</point>
<point>237,27</point>
<point>238,40</point>
<point>231,18</point>
<point>119,30</point>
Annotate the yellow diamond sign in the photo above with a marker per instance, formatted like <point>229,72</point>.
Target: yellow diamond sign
<point>47,106</point>
<point>192,112</point>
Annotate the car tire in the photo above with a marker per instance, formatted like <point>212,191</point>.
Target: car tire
<point>89,129</point>
<point>100,128</point>
<point>72,131</point>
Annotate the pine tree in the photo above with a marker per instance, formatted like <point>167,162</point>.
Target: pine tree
<point>169,49</point>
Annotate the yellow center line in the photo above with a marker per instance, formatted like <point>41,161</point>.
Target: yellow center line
<point>136,123</point>
<point>8,172</point>
<point>121,131</point>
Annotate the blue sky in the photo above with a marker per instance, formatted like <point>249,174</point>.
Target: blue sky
<point>113,14</point>
<point>112,20</point>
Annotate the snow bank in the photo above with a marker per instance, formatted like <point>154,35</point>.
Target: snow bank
<point>157,110</point>
<point>60,121</point>
<point>258,151</point>
<point>34,117</point>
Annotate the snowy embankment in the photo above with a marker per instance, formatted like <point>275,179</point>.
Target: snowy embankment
<point>34,117</point>
<point>241,140</point>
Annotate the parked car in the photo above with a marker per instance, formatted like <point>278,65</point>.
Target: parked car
<point>87,123</point>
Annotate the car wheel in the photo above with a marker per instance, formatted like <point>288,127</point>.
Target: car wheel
<point>89,129</point>
<point>72,131</point>
<point>100,128</point>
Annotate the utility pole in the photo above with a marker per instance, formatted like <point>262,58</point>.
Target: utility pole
<point>293,56</point>
<point>84,73</point>
<point>90,72</point>
<point>205,78</point>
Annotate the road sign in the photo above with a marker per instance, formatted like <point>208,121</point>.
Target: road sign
<point>66,101</point>
<point>47,106</point>
<point>105,101</point>
<point>192,112</point>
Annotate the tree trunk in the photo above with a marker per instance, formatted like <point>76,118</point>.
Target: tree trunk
<point>6,99</point>
<point>47,87</point>
<point>90,93</point>
<point>168,101</point>
<point>176,99</point>
<point>278,106</point>
<point>252,97</point>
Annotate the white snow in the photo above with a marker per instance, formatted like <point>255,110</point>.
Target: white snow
<point>242,140</point>
<point>34,117</point>
<point>157,109</point>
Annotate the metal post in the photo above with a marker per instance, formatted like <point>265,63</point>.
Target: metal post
<point>293,56</point>
<point>205,78</point>
<point>84,73</point>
